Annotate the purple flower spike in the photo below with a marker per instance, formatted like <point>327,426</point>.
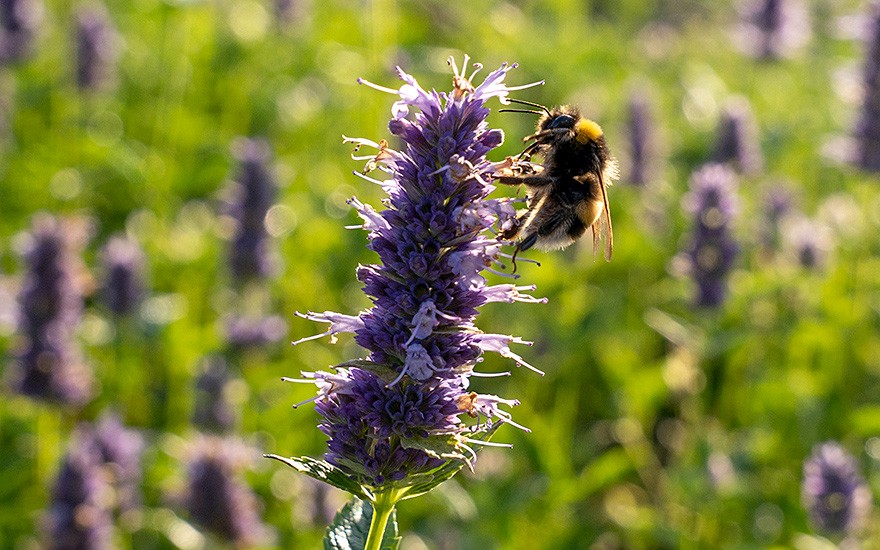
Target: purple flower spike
<point>19,20</point>
<point>213,411</point>
<point>772,29</point>
<point>77,516</point>
<point>123,285</point>
<point>97,48</point>
<point>641,139</point>
<point>49,365</point>
<point>834,494</point>
<point>867,130</point>
<point>809,243</point>
<point>713,202</point>
<point>251,197</point>
<point>737,141</point>
<point>217,499</point>
<point>399,412</point>
<point>118,451</point>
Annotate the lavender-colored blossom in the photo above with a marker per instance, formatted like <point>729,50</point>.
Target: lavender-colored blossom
<point>77,518</point>
<point>217,499</point>
<point>213,412</point>
<point>18,25</point>
<point>49,364</point>
<point>867,129</point>
<point>118,451</point>
<point>96,48</point>
<point>251,196</point>
<point>122,288</point>
<point>772,29</point>
<point>737,140</point>
<point>386,416</point>
<point>713,202</point>
<point>641,139</point>
<point>243,331</point>
<point>834,493</point>
<point>808,242</point>
<point>291,12</point>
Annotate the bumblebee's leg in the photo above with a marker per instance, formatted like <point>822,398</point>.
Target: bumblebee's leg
<point>531,181</point>
<point>527,152</point>
<point>528,242</point>
<point>524,244</point>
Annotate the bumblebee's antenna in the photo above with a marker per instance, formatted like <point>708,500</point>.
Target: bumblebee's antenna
<point>520,111</point>
<point>530,104</point>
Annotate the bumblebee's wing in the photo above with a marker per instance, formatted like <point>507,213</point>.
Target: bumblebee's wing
<point>609,234</point>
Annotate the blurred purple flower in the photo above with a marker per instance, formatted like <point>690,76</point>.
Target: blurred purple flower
<point>713,202</point>
<point>808,242</point>
<point>49,364</point>
<point>737,140</point>
<point>772,29</point>
<point>244,331</point>
<point>867,129</point>
<point>78,518</point>
<point>217,499</point>
<point>834,494</point>
<point>97,47</point>
<point>118,451</point>
<point>251,196</point>
<point>19,20</point>
<point>122,288</point>
<point>213,412</point>
<point>397,414</point>
<point>641,139</point>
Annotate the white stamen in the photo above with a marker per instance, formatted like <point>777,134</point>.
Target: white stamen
<point>377,87</point>
<point>502,274</point>
<point>368,178</point>
<point>310,400</point>
<point>477,68</point>
<point>441,169</point>
<point>451,62</point>
<point>476,374</point>
<point>297,380</point>
<point>399,376</point>
<point>488,443</point>
<point>310,338</point>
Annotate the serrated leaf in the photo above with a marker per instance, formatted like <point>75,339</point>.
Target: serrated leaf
<point>322,471</point>
<point>351,526</point>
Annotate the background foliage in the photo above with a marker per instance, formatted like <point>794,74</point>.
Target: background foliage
<point>657,425</point>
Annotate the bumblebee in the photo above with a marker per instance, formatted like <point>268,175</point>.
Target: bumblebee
<point>567,191</point>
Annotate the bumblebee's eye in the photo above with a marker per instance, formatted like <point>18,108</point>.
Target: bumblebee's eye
<point>562,121</point>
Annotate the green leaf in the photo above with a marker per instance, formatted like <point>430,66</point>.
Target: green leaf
<point>351,526</point>
<point>449,469</point>
<point>323,471</point>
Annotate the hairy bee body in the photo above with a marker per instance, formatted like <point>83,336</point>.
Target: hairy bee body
<point>567,191</point>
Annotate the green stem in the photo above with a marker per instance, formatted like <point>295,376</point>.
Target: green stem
<point>383,506</point>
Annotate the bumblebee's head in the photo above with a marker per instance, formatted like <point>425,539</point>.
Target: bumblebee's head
<point>584,130</point>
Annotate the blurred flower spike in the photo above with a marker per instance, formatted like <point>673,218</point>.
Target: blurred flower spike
<point>395,418</point>
<point>713,203</point>
<point>834,493</point>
